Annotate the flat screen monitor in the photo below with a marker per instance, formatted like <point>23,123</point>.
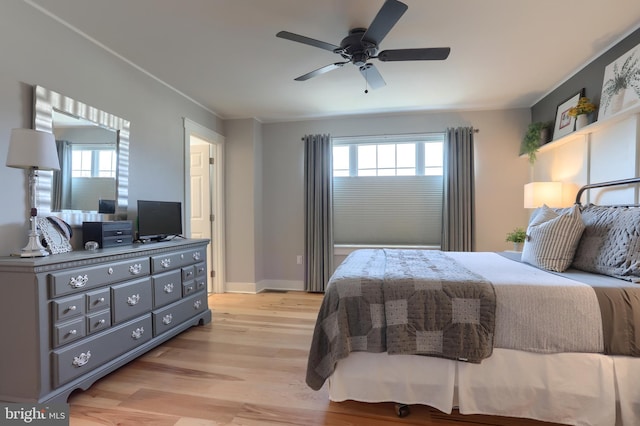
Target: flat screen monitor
<point>106,206</point>
<point>158,220</point>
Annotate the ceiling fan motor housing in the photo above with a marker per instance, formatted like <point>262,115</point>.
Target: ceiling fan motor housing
<point>353,48</point>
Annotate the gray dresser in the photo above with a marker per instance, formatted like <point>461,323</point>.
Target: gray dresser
<point>70,319</point>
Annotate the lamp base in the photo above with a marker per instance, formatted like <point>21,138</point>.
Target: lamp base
<point>33,247</point>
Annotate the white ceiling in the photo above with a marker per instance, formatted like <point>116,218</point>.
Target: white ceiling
<point>224,53</point>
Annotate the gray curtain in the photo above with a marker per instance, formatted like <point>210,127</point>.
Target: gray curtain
<point>318,212</point>
<point>61,196</point>
<point>458,220</point>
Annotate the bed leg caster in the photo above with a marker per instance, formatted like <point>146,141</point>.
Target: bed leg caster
<point>402,410</point>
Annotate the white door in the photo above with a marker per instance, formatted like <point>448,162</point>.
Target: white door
<point>201,216</point>
<point>204,196</point>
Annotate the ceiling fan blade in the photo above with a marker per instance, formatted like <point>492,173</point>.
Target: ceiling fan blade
<point>306,40</point>
<point>372,75</point>
<point>426,54</point>
<point>387,16</point>
<point>319,71</point>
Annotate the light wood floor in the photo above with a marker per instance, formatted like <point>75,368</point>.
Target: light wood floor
<point>245,368</point>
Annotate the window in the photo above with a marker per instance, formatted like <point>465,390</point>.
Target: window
<point>388,189</point>
<point>87,162</point>
<point>421,156</point>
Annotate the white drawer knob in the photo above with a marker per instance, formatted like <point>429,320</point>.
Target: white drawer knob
<point>133,299</point>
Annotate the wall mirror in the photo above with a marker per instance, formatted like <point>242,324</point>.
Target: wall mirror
<point>93,148</point>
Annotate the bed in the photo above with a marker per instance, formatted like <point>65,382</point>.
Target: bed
<point>549,334</point>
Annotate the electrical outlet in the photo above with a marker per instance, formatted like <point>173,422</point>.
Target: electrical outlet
<point>299,259</point>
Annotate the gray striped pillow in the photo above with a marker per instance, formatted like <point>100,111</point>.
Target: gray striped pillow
<point>552,238</point>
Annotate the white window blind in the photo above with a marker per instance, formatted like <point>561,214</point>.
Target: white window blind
<point>389,210</point>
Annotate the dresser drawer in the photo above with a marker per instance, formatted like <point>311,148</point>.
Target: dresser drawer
<point>117,241</point>
<point>168,317</point>
<point>79,279</point>
<point>98,300</point>
<point>166,288</point>
<point>188,288</point>
<point>165,262</point>
<point>201,283</point>
<point>201,269</point>
<point>68,307</point>
<point>68,332</point>
<point>98,321</point>
<point>84,356</point>
<point>131,299</point>
<point>188,273</point>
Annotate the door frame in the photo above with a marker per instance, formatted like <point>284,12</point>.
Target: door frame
<point>216,140</point>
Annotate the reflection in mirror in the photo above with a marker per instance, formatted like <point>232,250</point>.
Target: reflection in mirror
<point>87,155</point>
<point>93,147</point>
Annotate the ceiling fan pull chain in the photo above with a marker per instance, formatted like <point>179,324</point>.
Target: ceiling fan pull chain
<point>366,81</point>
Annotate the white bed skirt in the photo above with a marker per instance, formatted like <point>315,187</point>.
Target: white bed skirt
<point>568,388</point>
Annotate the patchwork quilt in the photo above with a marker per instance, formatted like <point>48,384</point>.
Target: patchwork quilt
<point>419,302</point>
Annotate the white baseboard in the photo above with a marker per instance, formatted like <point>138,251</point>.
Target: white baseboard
<point>264,285</point>
<point>240,287</point>
<point>280,285</point>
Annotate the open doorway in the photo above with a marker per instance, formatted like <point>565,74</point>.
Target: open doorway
<point>204,195</point>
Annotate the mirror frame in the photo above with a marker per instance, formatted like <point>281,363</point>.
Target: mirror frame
<point>45,101</point>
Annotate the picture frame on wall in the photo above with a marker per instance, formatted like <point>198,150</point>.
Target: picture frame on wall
<point>564,123</point>
<point>621,84</point>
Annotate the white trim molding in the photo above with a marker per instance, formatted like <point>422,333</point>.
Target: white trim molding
<point>264,285</point>
<point>217,142</point>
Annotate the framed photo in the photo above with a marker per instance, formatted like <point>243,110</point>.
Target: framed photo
<point>53,236</point>
<point>564,122</point>
<point>621,84</point>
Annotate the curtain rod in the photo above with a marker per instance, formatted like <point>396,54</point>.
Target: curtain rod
<point>474,131</point>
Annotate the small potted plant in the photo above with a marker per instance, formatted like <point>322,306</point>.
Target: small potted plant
<point>537,134</point>
<point>580,111</point>
<point>517,237</point>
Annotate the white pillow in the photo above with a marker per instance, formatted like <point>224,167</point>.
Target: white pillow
<point>552,239</point>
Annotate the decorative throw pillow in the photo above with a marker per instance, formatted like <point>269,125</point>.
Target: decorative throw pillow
<point>610,244</point>
<point>552,238</point>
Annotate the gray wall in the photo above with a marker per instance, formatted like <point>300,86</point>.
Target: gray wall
<point>38,50</point>
<point>590,78</point>
<point>500,176</point>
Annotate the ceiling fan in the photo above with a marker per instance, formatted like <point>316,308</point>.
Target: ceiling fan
<point>361,45</point>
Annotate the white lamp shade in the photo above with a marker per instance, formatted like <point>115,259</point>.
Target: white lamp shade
<point>32,149</point>
<point>538,193</point>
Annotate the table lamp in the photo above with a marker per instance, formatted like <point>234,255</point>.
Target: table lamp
<point>538,193</point>
<point>33,150</point>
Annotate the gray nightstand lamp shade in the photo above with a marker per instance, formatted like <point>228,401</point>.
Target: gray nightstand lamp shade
<point>33,150</point>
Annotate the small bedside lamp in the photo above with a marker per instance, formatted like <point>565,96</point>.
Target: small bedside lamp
<point>33,150</point>
<point>538,193</point>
